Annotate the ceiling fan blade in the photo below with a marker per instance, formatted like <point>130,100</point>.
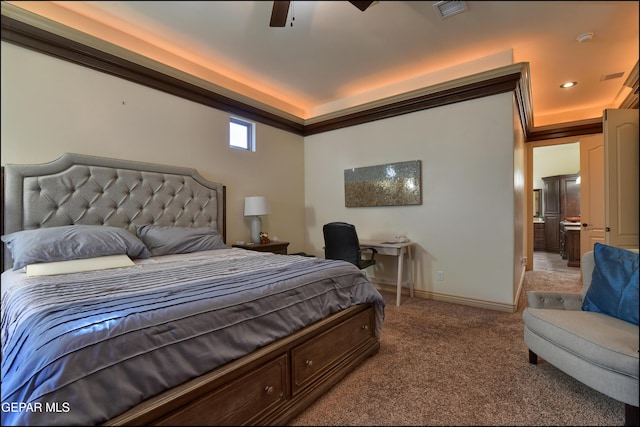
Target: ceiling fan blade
<point>279,13</point>
<point>362,5</point>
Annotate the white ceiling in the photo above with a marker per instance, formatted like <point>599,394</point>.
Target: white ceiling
<point>335,56</point>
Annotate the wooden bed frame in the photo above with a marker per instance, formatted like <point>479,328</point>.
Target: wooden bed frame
<point>267,387</point>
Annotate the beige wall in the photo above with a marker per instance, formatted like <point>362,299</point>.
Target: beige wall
<point>465,225</point>
<point>554,160</point>
<point>520,216</point>
<point>51,106</point>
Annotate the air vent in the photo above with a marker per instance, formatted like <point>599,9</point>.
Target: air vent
<point>612,76</point>
<point>445,9</point>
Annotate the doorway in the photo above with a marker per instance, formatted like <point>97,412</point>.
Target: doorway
<point>555,165</point>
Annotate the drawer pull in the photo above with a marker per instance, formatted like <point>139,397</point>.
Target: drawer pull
<point>269,389</point>
<point>365,326</point>
<point>309,363</point>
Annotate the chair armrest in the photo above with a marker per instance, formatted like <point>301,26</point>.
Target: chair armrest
<point>373,251</point>
<point>555,300</point>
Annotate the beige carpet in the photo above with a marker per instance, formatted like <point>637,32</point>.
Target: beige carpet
<point>448,364</point>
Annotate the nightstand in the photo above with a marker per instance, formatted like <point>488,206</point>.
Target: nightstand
<point>275,247</point>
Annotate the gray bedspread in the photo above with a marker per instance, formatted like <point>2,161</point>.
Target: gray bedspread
<point>81,348</point>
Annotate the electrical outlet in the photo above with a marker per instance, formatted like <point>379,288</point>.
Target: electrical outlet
<point>440,275</point>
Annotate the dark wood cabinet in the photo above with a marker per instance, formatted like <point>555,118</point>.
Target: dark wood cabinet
<point>573,247</point>
<point>561,196</point>
<point>551,209</point>
<point>570,243</point>
<point>538,236</point>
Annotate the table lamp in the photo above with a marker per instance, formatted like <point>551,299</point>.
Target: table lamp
<point>255,206</point>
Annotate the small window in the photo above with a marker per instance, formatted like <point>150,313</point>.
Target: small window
<point>242,134</point>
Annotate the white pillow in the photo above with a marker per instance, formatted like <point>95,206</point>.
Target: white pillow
<point>78,265</point>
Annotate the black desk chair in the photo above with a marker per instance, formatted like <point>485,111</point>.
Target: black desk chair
<point>341,242</point>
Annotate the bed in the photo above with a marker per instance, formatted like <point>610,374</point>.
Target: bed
<point>122,304</point>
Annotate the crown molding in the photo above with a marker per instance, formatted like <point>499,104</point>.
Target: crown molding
<point>33,32</point>
<point>631,101</point>
<point>492,82</point>
<point>135,68</point>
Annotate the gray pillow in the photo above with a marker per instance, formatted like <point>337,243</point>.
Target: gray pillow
<point>165,240</point>
<point>69,242</point>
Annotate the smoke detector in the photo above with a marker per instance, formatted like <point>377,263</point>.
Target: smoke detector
<point>584,37</point>
<point>445,9</point>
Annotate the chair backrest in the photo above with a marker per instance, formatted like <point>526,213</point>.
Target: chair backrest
<point>341,242</point>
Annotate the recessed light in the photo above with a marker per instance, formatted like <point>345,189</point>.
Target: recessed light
<point>568,85</point>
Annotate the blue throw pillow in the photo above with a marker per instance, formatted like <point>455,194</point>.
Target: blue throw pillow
<point>614,284</point>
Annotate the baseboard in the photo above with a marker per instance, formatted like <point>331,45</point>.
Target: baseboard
<point>389,286</point>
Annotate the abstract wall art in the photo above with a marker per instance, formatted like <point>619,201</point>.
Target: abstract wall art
<point>391,184</point>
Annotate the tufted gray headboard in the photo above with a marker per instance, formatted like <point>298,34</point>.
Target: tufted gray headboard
<point>90,190</point>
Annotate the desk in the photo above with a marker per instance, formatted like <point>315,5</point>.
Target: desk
<point>398,250</point>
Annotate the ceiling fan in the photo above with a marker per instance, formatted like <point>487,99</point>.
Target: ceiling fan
<point>281,10</point>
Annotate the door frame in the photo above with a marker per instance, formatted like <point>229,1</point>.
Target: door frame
<point>528,184</point>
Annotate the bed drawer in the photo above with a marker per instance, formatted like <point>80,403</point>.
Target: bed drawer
<point>249,397</point>
<point>319,355</point>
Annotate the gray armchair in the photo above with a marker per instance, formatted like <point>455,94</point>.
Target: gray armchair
<point>598,350</point>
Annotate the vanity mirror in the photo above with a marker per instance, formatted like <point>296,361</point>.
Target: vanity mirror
<point>537,202</point>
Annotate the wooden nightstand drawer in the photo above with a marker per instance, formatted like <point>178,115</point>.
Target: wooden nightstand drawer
<point>312,359</point>
<point>275,247</point>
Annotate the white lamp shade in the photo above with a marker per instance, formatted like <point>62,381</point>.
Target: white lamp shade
<point>255,205</point>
